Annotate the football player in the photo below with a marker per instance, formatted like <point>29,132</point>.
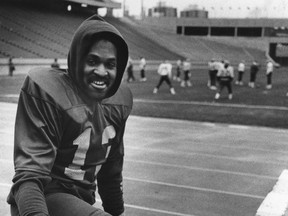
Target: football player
<point>225,77</point>
<point>69,129</point>
<point>165,72</point>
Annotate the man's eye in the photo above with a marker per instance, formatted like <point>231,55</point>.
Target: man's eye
<point>111,65</point>
<point>91,62</point>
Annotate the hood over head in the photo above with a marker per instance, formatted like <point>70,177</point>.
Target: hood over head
<point>87,33</point>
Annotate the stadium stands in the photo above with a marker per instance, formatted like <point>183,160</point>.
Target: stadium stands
<point>203,49</point>
<point>36,33</point>
<point>42,34</point>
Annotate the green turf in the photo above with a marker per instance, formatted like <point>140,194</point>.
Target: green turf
<point>271,117</point>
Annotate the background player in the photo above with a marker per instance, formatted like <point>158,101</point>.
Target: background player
<point>225,76</point>
<point>165,72</point>
<point>187,73</point>
<point>253,74</point>
<point>269,72</point>
<point>241,70</point>
<point>142,67</point>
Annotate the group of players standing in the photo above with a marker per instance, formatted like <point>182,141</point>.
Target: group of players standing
<point>223,72</point>
<point>220,74</point>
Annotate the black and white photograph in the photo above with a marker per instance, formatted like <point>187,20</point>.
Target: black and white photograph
<point>143,108</point>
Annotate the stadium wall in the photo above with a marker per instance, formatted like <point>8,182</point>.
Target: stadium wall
<point>173,24</point>
<point>274,31</point>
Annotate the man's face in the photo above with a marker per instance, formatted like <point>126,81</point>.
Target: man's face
<point>100,68</point>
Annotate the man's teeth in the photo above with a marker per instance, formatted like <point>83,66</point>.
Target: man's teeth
<point>99,84</point>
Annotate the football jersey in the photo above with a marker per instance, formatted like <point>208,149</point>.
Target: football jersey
<point>269,67</point>
<point>226,72</point>
<point>165,69</point>
<point>186,66</point>
<point>241,66</point>
<point>142,63</point>
<point>73,139</point>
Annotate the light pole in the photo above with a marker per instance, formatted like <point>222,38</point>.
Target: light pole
<point>142,9</point>
<point>124,8</point>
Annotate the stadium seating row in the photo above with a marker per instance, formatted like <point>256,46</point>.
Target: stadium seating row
<point>33,33</point>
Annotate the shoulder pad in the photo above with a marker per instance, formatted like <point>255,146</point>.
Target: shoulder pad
<point>123,96</point>
<point>51,85</point>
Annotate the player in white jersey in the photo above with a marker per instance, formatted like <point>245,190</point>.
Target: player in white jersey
<point>225,76</point>
<point>241,70</point>
<point>142,67</point>
<point>269,72</point>
<point>165,72</point>
<point>187,73</point>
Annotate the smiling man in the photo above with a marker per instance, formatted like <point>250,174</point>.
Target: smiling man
<point>99,69</point>
<point>69,130</point>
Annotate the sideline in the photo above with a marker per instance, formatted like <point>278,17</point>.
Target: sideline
<point>211,104</point>
<point>190,103</point>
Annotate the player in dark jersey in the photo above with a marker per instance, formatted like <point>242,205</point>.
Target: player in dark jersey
<point>69,129</point>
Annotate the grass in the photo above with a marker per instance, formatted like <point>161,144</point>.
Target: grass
<point>267,107</point>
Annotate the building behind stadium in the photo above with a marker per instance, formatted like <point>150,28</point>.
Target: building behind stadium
<point>195,21</point>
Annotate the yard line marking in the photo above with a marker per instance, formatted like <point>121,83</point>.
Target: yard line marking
<point>174,152</point>
<point>208,124</point>
<point>203,169</point>
<point>239,127</point>
<point>196,188</point>
<point>245,148</point>
<point>276,202</point>
<point>151,209</point>
<point>210,104</point>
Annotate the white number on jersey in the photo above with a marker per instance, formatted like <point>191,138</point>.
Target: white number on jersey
<point>74,170</point>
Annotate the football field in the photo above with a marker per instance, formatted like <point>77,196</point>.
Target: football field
<point>183,168</point>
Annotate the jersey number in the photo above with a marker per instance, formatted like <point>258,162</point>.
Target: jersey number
<point>74,170</point>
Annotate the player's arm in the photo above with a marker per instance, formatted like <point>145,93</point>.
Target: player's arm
<point>110,179</point>
<point>34,153</point>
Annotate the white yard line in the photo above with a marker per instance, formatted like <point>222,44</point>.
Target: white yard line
<point>202,169</point>
<point>195,188</point>
<point>190,102</point>
<point>175,152</point>
<point>276,202</point>
<point>211,104</point>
